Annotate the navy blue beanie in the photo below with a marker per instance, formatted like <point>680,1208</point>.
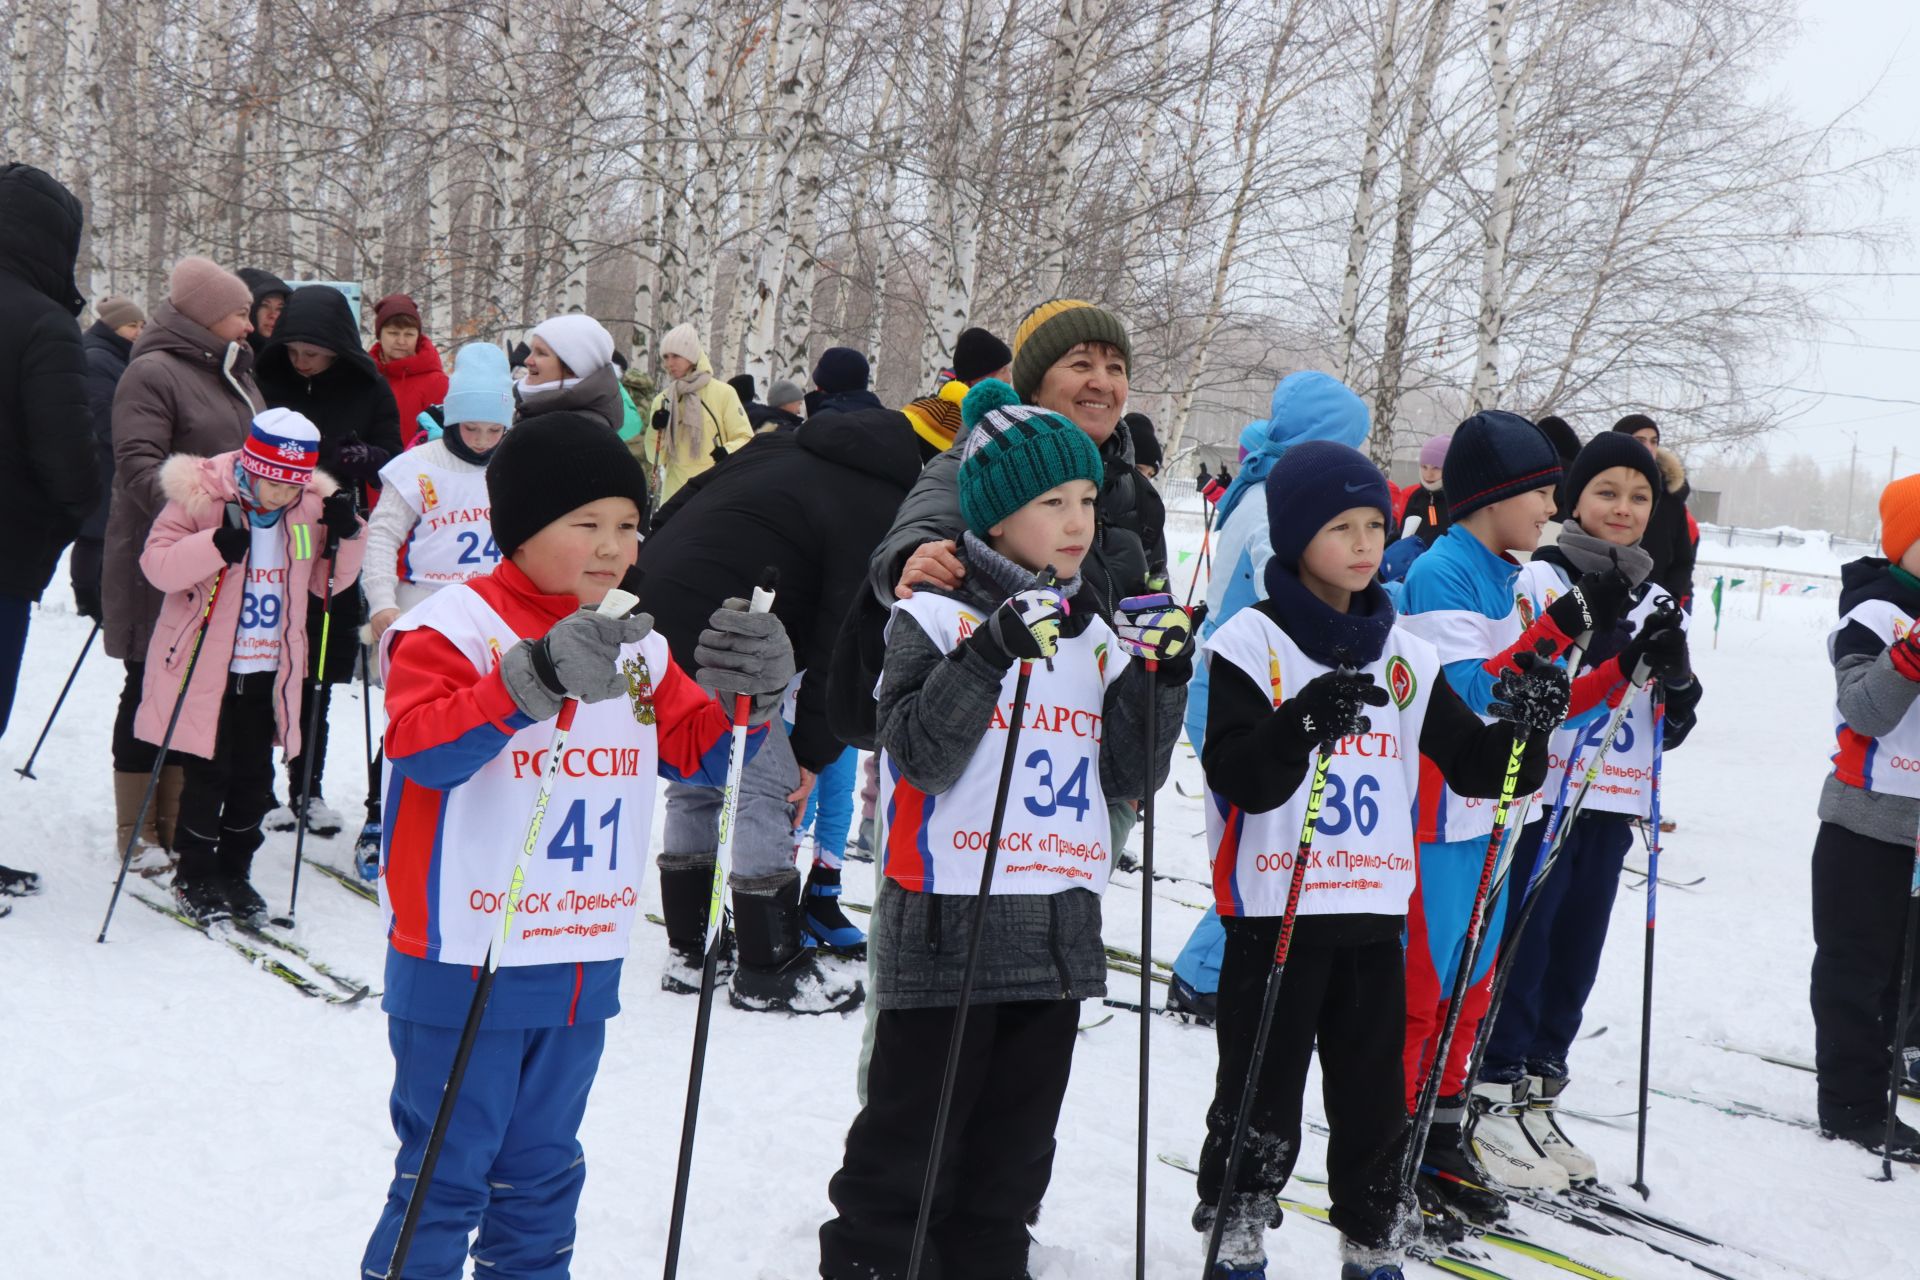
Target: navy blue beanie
<point>840,369</point>
<point>1496,455</point>
<point>1312,483</point>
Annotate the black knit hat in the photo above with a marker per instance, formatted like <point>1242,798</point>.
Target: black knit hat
<point>743,386</point>
<point>1638,422</point>
<point>840,369</point>
<point>552,463</point>
<point>1566,441</point>
<point>1605,451</point>
<point>977,354</point>
<point>1146,445</point>
<point>1495,455</point>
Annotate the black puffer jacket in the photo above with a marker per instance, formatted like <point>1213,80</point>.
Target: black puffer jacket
<point>811,502</point>
<point>49,478</point>
<point>107,355</point>
<point>350,403</point>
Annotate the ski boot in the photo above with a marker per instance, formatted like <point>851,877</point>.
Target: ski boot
<point>1910,1071</point>
<point>1359,1271</point>
<point>1451,1175</point>
<point>779,971</point>
<point>1440,1224</point>
<point>244,903</point>
<point>200,889</point>
<point>823,919</point>
<point>1542,1124</point>
<point>686,888</point>
<point>1504,1145</point>
<point>1366,1262</point>
<point>1872,1135</point>
<point>366,845</point>
<point>323,820</point>
<point>19,884</point>
<point>1194,1006</point>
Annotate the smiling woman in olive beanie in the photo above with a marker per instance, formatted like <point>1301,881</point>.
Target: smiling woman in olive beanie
<point>1054,328</point>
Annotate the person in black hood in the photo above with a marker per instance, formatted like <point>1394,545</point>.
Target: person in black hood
<point>315,364</point>
<point>108,343</point>
<point>48,480</point>
<point>812,503</point>
<point>270,294</point>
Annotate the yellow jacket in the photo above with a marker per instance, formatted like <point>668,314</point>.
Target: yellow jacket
<point>685,447</point>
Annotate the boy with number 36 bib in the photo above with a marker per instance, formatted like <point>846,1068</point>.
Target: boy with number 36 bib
<point>476,675</point>
<point>1028,484</point>
<point>1320,665</point>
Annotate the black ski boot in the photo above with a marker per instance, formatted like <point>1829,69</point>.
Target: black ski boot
<point>1872,1134</point>
<point>199,887</point>
<point>686,890</point>
<point>779,971</point>
<point>244,903</point>
<point>19,884</point>
<point>1450,1175</point>
<point>824,920</point>
<point>1190,1003</point>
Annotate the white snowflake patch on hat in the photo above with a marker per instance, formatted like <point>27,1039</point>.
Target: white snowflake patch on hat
<point>290,451</point>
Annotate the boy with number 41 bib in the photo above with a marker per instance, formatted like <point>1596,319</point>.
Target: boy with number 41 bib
<point>475,676</point>
<point>1028,485</point>
<point>1320,665</point>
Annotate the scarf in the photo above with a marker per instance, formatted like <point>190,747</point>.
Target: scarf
<point>1003,574</point>
<point>1355,638</point>
<point>257,516</point>
<point>685,445</point>
<point>1585,553</point>
<point>541,388</point>
<point>457,446</point>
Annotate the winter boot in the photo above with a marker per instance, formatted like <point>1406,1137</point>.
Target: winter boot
<point>1542,1124</point>
<point>1440,1224</point>
<point>199,887</point>
<point>823,919</point>
<point>19,884</point>
<point>323,820</point>
<point>1451,1175</point>
<point>166,805</point>
<point>244,903</point>
<point>1503,1144</point>
<point>1872,1134</point>
<point>150,857</point>
<point>778,971</point>
<point>686,889</point>
<point>1243,1239</point>
<point>861,850</point>
<point>1184,999</point>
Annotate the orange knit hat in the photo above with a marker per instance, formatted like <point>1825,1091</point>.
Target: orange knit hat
<point>1900,516</point>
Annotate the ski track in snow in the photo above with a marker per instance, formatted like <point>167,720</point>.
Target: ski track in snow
<point>174,1115</point>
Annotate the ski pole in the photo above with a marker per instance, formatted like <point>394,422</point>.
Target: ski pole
<point>236,519</point>
<point>988,858</point>
<point>1469,958</point>
<point>366,849</point>
<point>1646,979</point>
<point>1146,970</point>
<point>26,770</point>
<point>617,604</point>
<point>1204,558</point>
<point>1270,1001</point>
<point>710,966</point>
<point>307,753</point>
<point>1902,1018</point>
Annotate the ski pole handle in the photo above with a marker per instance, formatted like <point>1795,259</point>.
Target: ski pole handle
<point>616,604</point>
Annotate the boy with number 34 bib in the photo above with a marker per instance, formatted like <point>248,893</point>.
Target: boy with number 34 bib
<point>476,675</point>
<point>1028,484</point>
<point>1320,665</point>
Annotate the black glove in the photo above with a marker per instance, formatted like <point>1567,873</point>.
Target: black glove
<point>1662,645</point>
<point>232,544</point>
<point>1534,697</point>
<point>661,417</point>
<point>1025,626</point>
<point>337,515</point>
<point>718,454</point>
<point>1331,706</point>
<point>358,460</point>
<point>1595,603</point>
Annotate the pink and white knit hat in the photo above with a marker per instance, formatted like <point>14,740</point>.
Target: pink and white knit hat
<point>282,445</point>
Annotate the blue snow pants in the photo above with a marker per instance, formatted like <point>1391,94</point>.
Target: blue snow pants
<point>512,1165</point>
<point>829,812</point>
<point>1198,964</point>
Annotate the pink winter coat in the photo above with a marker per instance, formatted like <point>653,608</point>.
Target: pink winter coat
<point>181,560</point>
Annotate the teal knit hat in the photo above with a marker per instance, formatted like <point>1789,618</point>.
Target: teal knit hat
<point>1015,453</point>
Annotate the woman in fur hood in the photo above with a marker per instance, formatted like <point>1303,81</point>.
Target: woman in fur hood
<point>1672,536</point>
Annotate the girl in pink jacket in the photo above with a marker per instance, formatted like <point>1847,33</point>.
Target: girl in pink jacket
<point>249,532</point>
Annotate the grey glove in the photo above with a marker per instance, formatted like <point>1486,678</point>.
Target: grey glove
<point>742,652</point>
<point>577,658</point>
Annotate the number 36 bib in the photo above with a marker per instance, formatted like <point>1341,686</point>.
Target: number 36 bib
<point>1362,860</point>
<point>1056,835</point>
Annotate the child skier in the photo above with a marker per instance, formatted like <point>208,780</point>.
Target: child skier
<point>264,510</point>
<point>1869,811</point>
<point>1319,664</point>
<point>1611,491</point>
<point>475,677</point>
<point>1500,477</point>
<point>436,533</point>
<point>1027,486</point>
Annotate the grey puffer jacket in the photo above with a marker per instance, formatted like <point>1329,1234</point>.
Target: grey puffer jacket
<point>1128,543</point>
<point>597,395</point>
<point>934,710</point>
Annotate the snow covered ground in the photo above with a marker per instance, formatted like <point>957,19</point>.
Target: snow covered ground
<point>173,1114</point>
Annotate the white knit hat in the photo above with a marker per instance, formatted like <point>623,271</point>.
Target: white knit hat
<point>582,343</point>
<point>684,341</point>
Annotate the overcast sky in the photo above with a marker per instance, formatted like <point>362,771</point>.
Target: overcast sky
<point>1845,46</point>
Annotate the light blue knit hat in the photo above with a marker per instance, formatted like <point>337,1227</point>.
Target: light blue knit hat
<point>480,388</point>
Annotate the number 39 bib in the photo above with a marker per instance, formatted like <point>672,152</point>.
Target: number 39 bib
<point>1056,835</point>
<point>1362,861</point>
